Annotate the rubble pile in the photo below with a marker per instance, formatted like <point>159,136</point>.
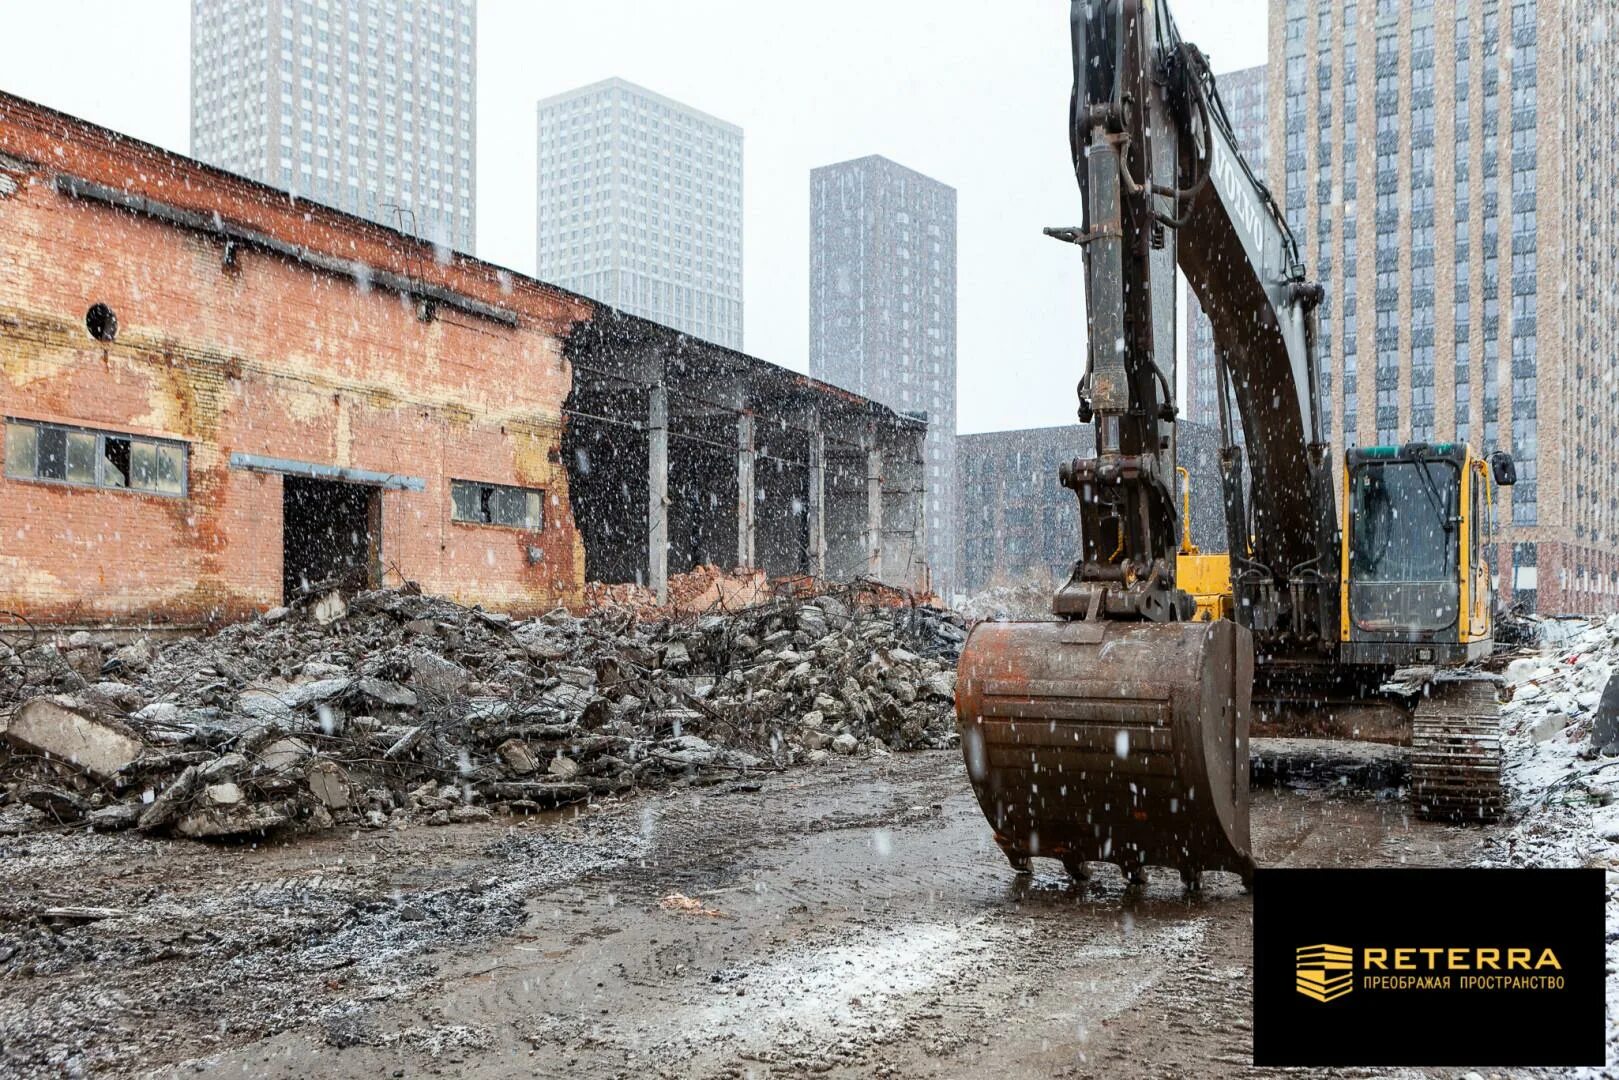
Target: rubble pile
<point>392,708</point>
<point>1550,722</point>
<point>1561,761</point>
<point>1027,600</point>
<point>702,590</point>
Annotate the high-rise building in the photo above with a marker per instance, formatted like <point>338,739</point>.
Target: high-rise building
<point>365,105</point>
<point>883,311</point>
<point>1243,94</point>
<point>640,207</point>
<point>1441,165</point>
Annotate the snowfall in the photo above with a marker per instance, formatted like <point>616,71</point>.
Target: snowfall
<point>1563,792</point>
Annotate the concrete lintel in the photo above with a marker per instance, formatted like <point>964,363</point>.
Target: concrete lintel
<point>317,471</point>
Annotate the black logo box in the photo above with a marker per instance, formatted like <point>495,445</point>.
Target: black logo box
<point>1562,910</point>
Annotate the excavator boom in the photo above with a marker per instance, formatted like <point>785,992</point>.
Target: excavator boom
<point>1118,732</point>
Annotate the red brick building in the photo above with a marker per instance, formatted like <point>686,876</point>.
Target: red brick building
<point>214,394</point>
<point>278,371</point>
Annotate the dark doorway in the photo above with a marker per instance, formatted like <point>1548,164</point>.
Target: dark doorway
<point>331,534</point>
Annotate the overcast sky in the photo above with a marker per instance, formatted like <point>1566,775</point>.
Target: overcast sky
<point>971,92</point>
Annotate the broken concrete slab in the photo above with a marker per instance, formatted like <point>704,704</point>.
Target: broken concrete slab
<point>1548,726</point>
<point>137,656</point>
<point>517,756</point>
<point>115,818</point>
<point>54,802</point>
<point>224,765</point>
<point>941,684</point>
<point>101,748</point>
<point>283,754</point>
<point>226,794</point>
<point>387,692</point>
<point>328,783</point>
<point>161,713</point>
<point>433,673</point>
<point>285,704</point>
<point>404,741</point>
<point>329,608</point>
<point>171,801</point>
<point>232,821</point>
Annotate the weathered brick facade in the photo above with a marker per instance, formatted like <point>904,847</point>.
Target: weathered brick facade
<point>248,351</point>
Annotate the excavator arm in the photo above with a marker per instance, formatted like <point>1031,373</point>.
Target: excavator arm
<point>1118,733</point>
<point>1163,183</point>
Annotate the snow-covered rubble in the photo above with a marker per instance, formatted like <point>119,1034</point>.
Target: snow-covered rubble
<point>393,707</point>
<point>1563,792</point>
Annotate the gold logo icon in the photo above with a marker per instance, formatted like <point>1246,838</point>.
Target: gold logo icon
<point>1325,972</point>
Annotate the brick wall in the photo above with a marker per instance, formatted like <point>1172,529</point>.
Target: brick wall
<point>268,357</point>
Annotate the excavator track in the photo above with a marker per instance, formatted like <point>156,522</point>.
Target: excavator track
<point>1456,751</point>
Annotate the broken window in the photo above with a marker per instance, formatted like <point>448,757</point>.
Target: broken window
<point>497,504</point>
<point>94,458</point>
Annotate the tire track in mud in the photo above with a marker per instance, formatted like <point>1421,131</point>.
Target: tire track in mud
<point>866,926</point>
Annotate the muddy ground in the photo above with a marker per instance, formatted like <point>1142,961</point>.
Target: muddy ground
<point>853,920</point>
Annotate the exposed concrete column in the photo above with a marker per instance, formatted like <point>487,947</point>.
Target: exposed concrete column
<point>657,477</point>
<point>745,494</point>
<point>874,509</point>
<point>919,507</point>
<point>817,497</point>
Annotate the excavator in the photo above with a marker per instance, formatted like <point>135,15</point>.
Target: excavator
<point>1117,732</point>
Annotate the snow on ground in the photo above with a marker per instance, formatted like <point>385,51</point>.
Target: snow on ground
<point>1563,798</point>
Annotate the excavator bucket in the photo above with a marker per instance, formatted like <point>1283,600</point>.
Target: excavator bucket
<point>1111,741</point>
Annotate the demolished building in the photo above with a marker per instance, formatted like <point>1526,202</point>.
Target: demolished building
<point>216,394</point>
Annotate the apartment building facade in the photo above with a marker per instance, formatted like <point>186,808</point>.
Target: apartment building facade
<point>883,311</point>
<point>369,106</point>
<point>1439,164</point>
<point>640,206</point>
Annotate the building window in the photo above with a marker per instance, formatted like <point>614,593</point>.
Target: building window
<point>496,504</point>
<point>106,459</point>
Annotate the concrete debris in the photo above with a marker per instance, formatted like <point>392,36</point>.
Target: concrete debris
<point>49,726</point>
<point>226,794</point>
<point>56,803</point>
<point>79,915</point>
<point>283,754</point>
<point>409,709</point>
<point>1003,603</point>
<point>328,783</point>
<point>238,820</point>
<point>682,904</point>
<point>1563,786</point>
<point>517,756</point>
<point>329,608</point>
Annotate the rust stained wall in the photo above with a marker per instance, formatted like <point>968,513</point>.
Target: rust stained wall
<point>269,358</point>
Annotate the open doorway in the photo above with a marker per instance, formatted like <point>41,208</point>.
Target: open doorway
<point>331,534</point>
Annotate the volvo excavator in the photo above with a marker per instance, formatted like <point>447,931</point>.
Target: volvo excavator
<point>1118,731</point>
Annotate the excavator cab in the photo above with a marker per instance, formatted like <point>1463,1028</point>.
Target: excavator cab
<point>1417,533</point>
